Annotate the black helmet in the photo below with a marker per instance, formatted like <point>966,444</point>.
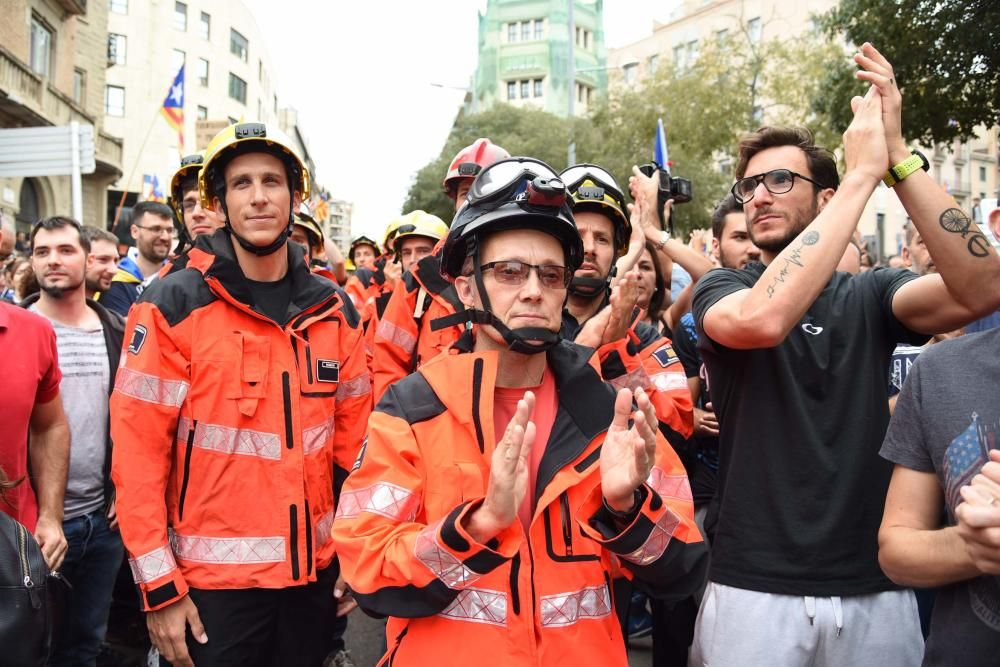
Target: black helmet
<point>517,193</point>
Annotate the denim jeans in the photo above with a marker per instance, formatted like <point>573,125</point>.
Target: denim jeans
<point>92,562</point>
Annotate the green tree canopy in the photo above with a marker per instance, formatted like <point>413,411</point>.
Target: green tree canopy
<point>945,54</point>
<point>730,87</point>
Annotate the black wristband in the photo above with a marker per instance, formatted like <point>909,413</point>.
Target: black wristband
<point>626,516</point>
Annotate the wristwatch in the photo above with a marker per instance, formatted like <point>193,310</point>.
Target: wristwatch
<point>898,172</point>
<point>664,237</point>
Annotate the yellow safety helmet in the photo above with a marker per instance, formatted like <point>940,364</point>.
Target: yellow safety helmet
<point>190,167</point>
<point>592,188</point>
<point>419,223</point>
<point>305,220</point>
<point>390,234</point>
<point>249,137</point>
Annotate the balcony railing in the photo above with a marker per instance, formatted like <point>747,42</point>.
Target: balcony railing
<point>37,102</point>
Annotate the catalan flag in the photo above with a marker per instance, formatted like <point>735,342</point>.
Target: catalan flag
<point>173,106</point>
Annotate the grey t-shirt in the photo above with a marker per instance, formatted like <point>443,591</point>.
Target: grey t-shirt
<point>83,360</point>
<point>947,418</point>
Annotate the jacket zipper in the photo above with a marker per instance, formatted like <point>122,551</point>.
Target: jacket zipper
<point>286,395</point>
<point>477,388</point>
<point>515,594</point>
<point>567,529</point>
<point>309,540</point>
<point>293,522</point>
<point>22,550</point>
<point>187,469</point>
<point>309,363</point>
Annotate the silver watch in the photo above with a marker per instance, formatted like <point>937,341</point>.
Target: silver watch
<point>664,237</point>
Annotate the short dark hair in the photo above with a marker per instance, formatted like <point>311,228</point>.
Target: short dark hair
<point>821,162</point>
<point>59,222</point>
<point>156,208</point>
<point>722,209</point>
<point>92,234</point>
<point>909,231</point>
<point>188,182</point>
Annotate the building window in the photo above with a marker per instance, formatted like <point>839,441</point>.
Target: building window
<point>722,35</point>
<point>654,62</point>
<point>511,32</point>
<point>539,29</point>
<point>260,109</point>
<point>525,93</point>
<point>238,45</point>
<point>260,71</point>
<point>41,47</point>
<point>275,104</point>
<point>117,48</point>
<point>205,26</point>
<point>118,6</point>
<point>538,87</point>
<point>982,173</point>
<point>511,90</point>
<point>177,59</point>
<point>576,37</point>
<point>202,113</point>
<point>692,51</point>
<point>754,28</point>
<point>630,73</point>
<point>180,16</point>
<point>586,39</point>
<point>114,101</point>
<point>525,31</point>
<point>79,86</point>
<point>237,88</point>
<point>203,72</point>
<point>679,52</point>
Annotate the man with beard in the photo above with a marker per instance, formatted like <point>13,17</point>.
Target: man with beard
<point>152,229</point>
<point>102,262</point>
<point>797,357</point>
<point>89,342</point>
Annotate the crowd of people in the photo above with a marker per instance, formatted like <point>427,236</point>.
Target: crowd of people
<point>506,434</point>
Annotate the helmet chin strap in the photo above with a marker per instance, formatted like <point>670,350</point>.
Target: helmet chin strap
<point>524,340</point>
<point>592,288</point>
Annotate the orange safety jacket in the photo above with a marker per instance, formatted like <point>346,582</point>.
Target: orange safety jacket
<point>232,431</point>
<point>402,339</point>
<point>541,597</point>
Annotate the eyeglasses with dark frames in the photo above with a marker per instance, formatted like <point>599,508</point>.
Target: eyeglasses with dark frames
<point>777,182</point>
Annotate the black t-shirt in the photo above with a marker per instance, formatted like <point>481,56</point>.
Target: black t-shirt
<point>272,298</point>
<point>801,484</point>
<point>705,466</point>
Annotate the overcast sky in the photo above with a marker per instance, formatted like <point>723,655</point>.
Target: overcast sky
<point>360,75</point>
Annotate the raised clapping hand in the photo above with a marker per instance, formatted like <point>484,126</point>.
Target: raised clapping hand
<point>979,517</point>
<point>865,151</point>
<point>628,454</point>
<point>612,322</point>
<point>876,70</point>
<point>508,475</point>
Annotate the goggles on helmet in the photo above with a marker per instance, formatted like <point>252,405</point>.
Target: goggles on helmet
<point>524,180</point>
<point>576,175</point>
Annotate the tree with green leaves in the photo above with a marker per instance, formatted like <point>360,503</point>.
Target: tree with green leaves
<point>945,55</point>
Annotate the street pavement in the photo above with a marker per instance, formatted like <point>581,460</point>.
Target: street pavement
<point>364,639</point>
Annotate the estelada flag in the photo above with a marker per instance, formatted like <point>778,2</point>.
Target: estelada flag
<point>173,106</point>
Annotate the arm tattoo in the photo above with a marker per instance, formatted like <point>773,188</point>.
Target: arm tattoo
<point>957,222</point>
<point>794,258</point>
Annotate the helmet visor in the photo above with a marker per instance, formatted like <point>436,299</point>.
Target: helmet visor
<point>494,181</point>
<point>577,174</point>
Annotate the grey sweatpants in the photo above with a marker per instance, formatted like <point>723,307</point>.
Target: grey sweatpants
<point>740,628</point>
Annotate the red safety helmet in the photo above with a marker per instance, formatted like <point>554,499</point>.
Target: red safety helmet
<point>471,160</point>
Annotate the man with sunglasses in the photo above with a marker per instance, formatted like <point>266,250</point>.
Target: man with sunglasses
<point>153,229</point>
<point>797,357</point>
<point>403,337</point>
<point>502,482</point>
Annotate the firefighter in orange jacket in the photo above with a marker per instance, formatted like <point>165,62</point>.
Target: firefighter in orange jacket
<point>240,403</point>
<point>501,484</point>
<point>403,337</point>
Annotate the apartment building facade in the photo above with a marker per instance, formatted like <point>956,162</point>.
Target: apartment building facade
<point>52,70</point>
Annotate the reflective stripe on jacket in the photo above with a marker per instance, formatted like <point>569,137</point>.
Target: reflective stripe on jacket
<point>538,599</point>
<point>231,430</point>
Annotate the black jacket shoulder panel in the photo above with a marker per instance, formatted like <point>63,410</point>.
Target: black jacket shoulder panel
<point>411,399</point>
<point>178,295</point>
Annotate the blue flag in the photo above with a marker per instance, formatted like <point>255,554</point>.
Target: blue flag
<point>660,155</point>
